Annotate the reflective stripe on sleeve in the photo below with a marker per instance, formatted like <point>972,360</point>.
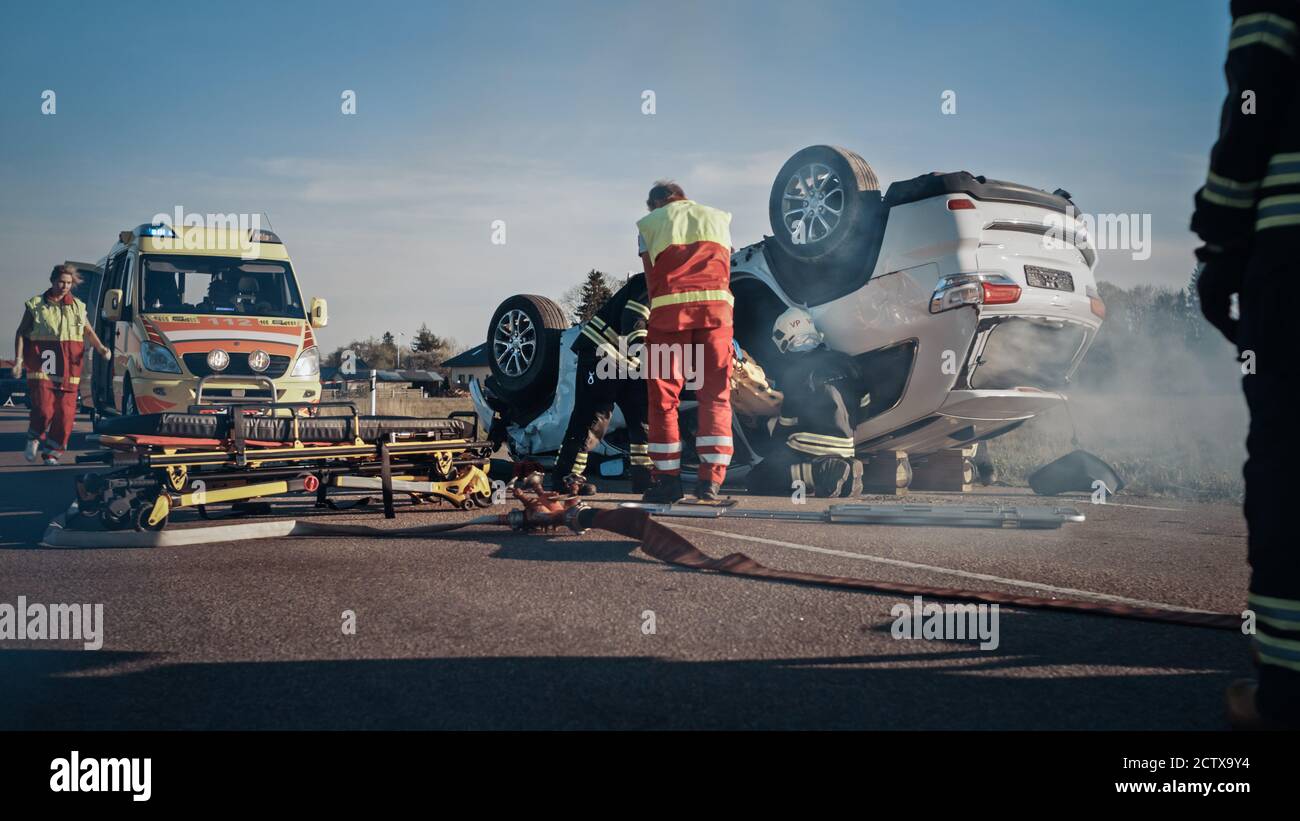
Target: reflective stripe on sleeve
<point>1277,212</point>
<point>1264,29</point>
<point>1229,193</point>
<point>1283,169</point>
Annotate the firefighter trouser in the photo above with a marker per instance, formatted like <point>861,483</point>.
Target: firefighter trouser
<point>701,357</point>
<point>593,405</point>
<point>1266,332</point>
<point>786,472</point>
<point>52,415</point>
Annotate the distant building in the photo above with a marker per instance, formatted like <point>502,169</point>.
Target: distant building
<point>465,366</point>
<point>332,376</point>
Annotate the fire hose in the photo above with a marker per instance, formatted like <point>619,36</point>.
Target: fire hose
<point>543,510</point>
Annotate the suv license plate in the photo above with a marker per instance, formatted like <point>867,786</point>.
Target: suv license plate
<point>1049,278</point>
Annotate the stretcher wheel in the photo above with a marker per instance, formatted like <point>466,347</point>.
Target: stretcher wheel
<point>481,499</point>
<point>142,519</point>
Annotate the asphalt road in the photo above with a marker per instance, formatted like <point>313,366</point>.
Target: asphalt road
<point>491,629</point>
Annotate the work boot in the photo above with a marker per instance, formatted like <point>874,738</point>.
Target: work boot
<point>1243,710</point>
<point>33,446</point>
<point>665,491</point>
<point>640,479</point>
<point>708,491</point>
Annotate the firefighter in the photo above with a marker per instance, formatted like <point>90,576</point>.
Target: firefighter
<point>685,250</point>
<point>813,436</point>
<point>608,374</point>
<point>1248,215</point>
<point>50,346</point>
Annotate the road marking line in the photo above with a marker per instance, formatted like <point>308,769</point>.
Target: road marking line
<point>1069,591</point>
<point>1142,507</point>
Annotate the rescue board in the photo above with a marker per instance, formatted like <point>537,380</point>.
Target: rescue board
<point>722,503</point>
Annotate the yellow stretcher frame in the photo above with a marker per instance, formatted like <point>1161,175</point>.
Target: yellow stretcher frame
<point>456,464</point>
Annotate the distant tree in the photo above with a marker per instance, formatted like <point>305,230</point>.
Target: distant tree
<point>366,353</point>
<point>583,300</point>
<point>426,341</point>
<point>430,350</point>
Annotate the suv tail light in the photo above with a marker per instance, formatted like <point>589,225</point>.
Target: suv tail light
<point>1094,301</point>
<point>973,289</point>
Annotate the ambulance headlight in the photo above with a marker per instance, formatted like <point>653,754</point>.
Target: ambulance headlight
<point>158,359</point>
<point>308,363</point>
<point>259,361</point>
<point>218,360</point>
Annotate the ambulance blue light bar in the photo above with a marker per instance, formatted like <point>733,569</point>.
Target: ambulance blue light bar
<point>263,235</point>
<point>153,230</point>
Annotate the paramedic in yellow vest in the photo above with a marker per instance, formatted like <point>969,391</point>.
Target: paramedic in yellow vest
<point>50,345</point>
<point>685,250</point>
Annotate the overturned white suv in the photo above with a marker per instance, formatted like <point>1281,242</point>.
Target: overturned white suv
<point>967,302</point>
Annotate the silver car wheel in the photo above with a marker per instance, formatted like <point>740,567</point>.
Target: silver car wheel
<point>514,343</point>
<point>812,203</point>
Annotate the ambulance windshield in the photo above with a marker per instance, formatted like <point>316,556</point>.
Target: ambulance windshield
<point>186,284</point>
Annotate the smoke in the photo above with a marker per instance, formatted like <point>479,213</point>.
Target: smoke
<point>1158,396</point>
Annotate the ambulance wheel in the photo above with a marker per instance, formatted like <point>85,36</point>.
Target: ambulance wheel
<point>128,400</point>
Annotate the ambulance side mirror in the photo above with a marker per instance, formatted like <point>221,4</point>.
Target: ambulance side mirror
<point>320,312</point>
<point>112,310</point>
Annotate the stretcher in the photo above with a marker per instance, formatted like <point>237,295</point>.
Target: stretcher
<point>236,453</point>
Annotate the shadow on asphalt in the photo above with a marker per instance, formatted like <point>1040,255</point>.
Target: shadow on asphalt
<point>562,549</point>
<point>961,688</point>
<point>30,496</point>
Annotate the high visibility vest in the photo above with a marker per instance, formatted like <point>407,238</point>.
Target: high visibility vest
<point>689,246</point>
<point>54,348</point>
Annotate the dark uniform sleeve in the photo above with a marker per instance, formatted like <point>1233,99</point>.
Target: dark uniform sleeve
<point>1261,63</point>
<point>603,330</point>
<point>636,311</point>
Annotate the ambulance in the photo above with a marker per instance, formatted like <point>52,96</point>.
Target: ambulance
<point>201,316</point>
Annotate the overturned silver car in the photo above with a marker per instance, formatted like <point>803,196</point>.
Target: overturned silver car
<point>967,303</point>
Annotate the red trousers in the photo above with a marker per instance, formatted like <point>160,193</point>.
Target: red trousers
<point>702,356</point>
<point>53,413</point>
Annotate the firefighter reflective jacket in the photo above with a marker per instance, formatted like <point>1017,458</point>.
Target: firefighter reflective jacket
<point>624,315</point>
<point>54,348</point>
<point>689,246</point>
<point>1252,192</point>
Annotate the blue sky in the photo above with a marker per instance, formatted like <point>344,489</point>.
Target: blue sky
<point>531,113</point>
